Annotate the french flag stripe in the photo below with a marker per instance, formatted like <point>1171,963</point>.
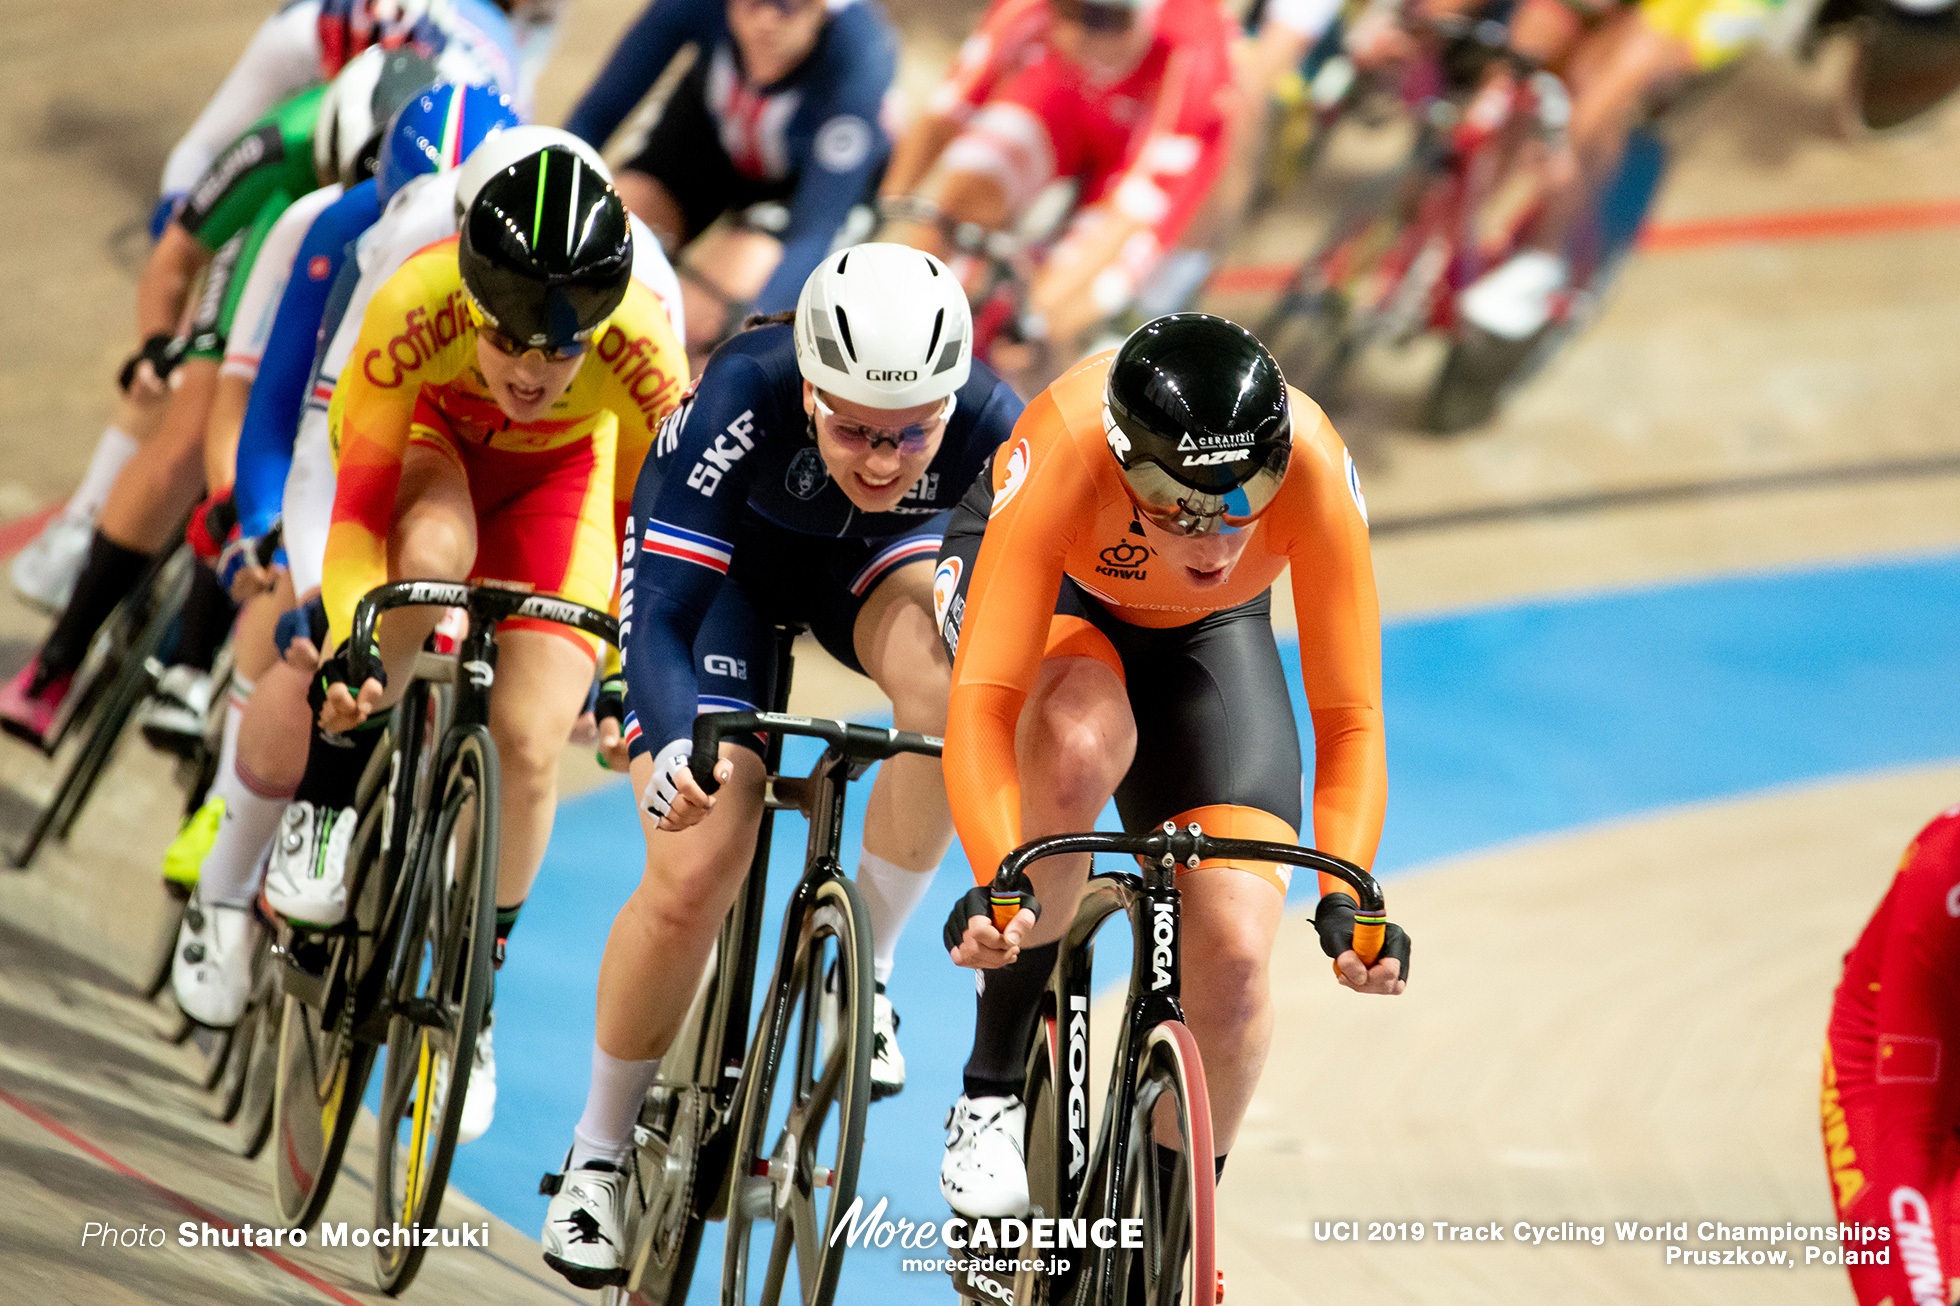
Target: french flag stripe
<point>909,550</point>
<point>716,703</point>
<point>689,546</point>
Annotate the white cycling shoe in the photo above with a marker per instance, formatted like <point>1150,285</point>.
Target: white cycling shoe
<point>45,572</point>
<point>480,1100</point>
<point>584,1229</point>
<point>983,1173</point>
<point>887,1062</point>
<point>307,878</point>
<point>177,710</point>
<point>1514,301</point>
<point>212,975</point>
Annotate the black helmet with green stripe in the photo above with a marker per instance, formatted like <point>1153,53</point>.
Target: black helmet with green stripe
<point>546,253</point>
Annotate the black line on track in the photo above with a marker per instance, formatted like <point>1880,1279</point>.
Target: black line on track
<point>1572,505</point>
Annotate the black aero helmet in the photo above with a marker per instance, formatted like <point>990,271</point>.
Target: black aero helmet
<point>546,254</point>
<point>1195,411</point>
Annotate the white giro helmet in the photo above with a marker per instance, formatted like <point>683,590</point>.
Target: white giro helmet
<point>358,104</point>
<point>506,148</point>
<point>886,326</point>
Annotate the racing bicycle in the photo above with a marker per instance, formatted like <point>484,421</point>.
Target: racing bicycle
<point>1152,1160</point>
<point>409,970</point>
<point>772,1135</point>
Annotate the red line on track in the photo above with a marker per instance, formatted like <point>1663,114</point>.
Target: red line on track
<point>15,534</point>
<point>172,1196</point>
<point>1700,233</point>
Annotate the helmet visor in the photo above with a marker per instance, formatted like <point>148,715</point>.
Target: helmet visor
<point>1182,510</point>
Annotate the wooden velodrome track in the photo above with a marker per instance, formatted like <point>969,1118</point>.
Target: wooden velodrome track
<point>1618,1021</point>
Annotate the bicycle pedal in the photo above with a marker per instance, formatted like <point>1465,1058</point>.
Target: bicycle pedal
<point>303,966</point>
<point>426,1012</point>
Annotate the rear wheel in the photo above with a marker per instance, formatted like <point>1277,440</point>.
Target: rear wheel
<point>1168,1177</point>
<point>440,1008</point>
<point>805,1179</point>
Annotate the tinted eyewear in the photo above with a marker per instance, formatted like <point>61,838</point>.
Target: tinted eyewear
<point>914,438</point>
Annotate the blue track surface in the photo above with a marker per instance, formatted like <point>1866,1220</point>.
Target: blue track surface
<point>1503,723</point>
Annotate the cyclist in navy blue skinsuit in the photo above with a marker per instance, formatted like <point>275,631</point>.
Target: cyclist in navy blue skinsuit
<point>808,479</point>
<point>781,103</point>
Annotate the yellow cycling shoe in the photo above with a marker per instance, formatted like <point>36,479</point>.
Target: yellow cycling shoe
<point>185,855</point>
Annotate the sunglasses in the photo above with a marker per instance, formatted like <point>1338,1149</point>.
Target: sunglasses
<point>1095,17</point>
<point>512,348</point>
<point>1179,510</point>
<point>905,439</point>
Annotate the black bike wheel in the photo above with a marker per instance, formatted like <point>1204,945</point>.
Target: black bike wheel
<point>1044,1150</point>
<point>440,1006</point>
<point>245,1038</point>
<point>261,1072</point>
<point>124,677</point>
<point>782,1171</point>
<point>166,949</point>
<point>321,1077</point>
<point>1170,1110</point>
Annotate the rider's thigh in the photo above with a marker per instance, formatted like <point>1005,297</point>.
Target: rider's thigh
<point>542,679</point>
<point>1075,739</point>
<point>160,483</point>
<point>252,649</point>
<point>434,532</point>
<point>898,645</point>
<point>1620,69</point>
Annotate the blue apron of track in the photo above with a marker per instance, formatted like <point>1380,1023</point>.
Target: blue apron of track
<point>1504,723</point>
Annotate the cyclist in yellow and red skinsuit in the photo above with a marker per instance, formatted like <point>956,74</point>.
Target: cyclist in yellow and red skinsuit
<point>489,426</point>
<point>1106,593</point>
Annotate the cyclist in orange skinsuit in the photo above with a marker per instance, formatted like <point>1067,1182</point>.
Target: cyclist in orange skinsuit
<point>1112,637</point>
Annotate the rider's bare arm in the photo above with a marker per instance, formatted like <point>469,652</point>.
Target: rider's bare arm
<point>166,281</point>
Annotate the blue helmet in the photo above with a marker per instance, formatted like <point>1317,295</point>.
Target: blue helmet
<point>436,130</point>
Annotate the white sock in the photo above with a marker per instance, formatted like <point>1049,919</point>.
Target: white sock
<point>612,1107</point>
<point>230,874</point>
<point>241,690</point>
<point>112,451</point>
<point>891,894</point>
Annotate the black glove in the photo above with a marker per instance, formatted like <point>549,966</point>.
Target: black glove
<point>162,357</point>
<point>610,705</point>
<point>979,901</point>
<point>1334,920</point>
<point>340,670</point>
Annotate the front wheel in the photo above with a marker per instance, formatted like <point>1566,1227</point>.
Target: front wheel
<point>440,1006</point>
<point>1169,1177</point>
<point>1048,1156</point>
<point>804,1181</point>
<point>321,1077</point>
